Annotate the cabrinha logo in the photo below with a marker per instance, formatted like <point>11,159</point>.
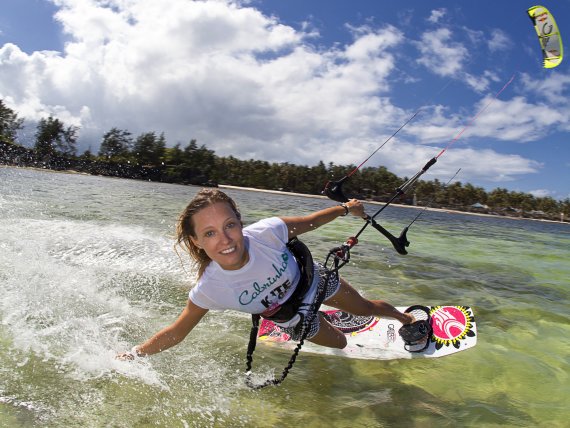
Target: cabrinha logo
<point>451,324</point>
<point>246,299</point>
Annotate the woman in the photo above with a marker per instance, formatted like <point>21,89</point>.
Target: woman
<point>251,270</point>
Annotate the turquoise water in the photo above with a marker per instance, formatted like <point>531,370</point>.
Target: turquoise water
<point>87,269</point>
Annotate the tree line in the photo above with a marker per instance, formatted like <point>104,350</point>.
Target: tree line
<point>147,157</point>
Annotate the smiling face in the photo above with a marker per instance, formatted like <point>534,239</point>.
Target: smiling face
<point>218,232</point>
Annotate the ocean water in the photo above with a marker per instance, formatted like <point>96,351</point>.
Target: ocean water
<point>88,269</point>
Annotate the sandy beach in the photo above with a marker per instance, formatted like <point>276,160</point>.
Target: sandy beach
<point>443,210</point>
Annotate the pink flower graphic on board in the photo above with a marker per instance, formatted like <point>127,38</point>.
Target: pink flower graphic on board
<point>451,324</point>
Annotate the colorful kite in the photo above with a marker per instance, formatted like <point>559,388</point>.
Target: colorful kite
<point>548,35</point>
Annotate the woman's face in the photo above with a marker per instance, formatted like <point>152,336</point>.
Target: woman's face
<point>219,234</point>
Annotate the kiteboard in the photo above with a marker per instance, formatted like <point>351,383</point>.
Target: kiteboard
<point>371,337</point>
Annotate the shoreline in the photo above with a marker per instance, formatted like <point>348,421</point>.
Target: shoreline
<point>442,210</point>
<point>305,195</point>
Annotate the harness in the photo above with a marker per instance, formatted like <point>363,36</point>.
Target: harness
<point>304,259</point>
<point>289,310</point>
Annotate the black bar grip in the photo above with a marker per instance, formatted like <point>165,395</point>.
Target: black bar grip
<point>429,164</point>
<point>399,243</point>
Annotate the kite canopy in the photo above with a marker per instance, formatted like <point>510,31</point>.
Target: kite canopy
<point>548,35</point>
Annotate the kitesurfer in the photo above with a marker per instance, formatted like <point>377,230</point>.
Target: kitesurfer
<point>252,269</point>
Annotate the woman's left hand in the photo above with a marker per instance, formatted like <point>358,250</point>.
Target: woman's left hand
<point>356,208</point>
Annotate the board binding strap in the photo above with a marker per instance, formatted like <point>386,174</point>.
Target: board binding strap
<point>416,336</point>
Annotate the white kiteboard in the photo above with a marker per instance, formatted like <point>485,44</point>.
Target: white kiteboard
<point>371,337</point>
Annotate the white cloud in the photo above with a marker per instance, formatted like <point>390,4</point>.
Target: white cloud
<point>238,81</point>
<point>245,84</point>
<point>436,15</point>
<point>540,193</point>
<point>498,41</point>
<point>475,37</point>
<point>441,53</point>
<point>486,165</point>
<point>515,119</point>
<point>552,88</point>
<point>445,52</point>
<point>518,120</point>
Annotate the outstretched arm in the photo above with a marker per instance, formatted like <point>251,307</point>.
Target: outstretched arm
<point>171,335</point>
<point>300,225</point>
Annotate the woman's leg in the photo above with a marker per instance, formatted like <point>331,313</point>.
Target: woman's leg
<point>328,335</point>
<point>349,300</point>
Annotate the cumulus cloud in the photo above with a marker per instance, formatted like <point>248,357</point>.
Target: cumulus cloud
<point>484,166</point>
<point>440,53</point>
<point>446,52</point>
<point>540,193</point>
<point>436,15</point>
<point>498,41</point>
<point>245,84</point>
<point>552,88</point>
<point>488,165</point>
<point>229,76</point>
<point>515,120</point>
<point>519,120</point>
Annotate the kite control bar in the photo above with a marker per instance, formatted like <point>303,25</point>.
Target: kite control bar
<point>333,189</point>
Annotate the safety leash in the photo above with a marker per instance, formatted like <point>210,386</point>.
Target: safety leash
<point>255,318</point>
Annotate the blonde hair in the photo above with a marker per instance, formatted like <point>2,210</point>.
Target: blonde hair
<point>185,229</point>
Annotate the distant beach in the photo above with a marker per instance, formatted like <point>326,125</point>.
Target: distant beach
<point>443,210</point>
<point>305,195</point>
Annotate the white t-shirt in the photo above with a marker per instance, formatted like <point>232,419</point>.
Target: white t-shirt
<point>265,282</point>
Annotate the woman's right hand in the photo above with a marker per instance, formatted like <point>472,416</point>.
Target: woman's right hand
<point>168,336</point>
<point>129,356</point>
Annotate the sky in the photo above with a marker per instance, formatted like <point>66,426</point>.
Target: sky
<point>303,81</point>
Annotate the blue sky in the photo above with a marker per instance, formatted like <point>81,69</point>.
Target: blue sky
<point>302,81</point>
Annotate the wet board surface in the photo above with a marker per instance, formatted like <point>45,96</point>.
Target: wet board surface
<point>370,337</point>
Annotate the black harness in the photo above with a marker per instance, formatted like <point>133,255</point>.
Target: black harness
<point>288,310</point>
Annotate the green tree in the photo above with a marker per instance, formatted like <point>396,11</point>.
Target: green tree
<point>160,149</point>
<point>474,194</point>
<point>116,144</point>
<point>174,155</point>
<point>319,178</point>
<point>87,156</point>
<point>149,149</point>
<point>499,198</point>
<point>10,124</point>
<point>565,207</point>
<point>288,177</point>
<point>53,138</point>
<point>425,192</point>
<point>199,158</point>
<point>548,205</point>
<point>520,200</point>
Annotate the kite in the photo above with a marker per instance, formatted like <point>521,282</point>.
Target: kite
<point>548,35</point>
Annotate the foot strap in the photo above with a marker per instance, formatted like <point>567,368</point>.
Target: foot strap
<point>417,335</point>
